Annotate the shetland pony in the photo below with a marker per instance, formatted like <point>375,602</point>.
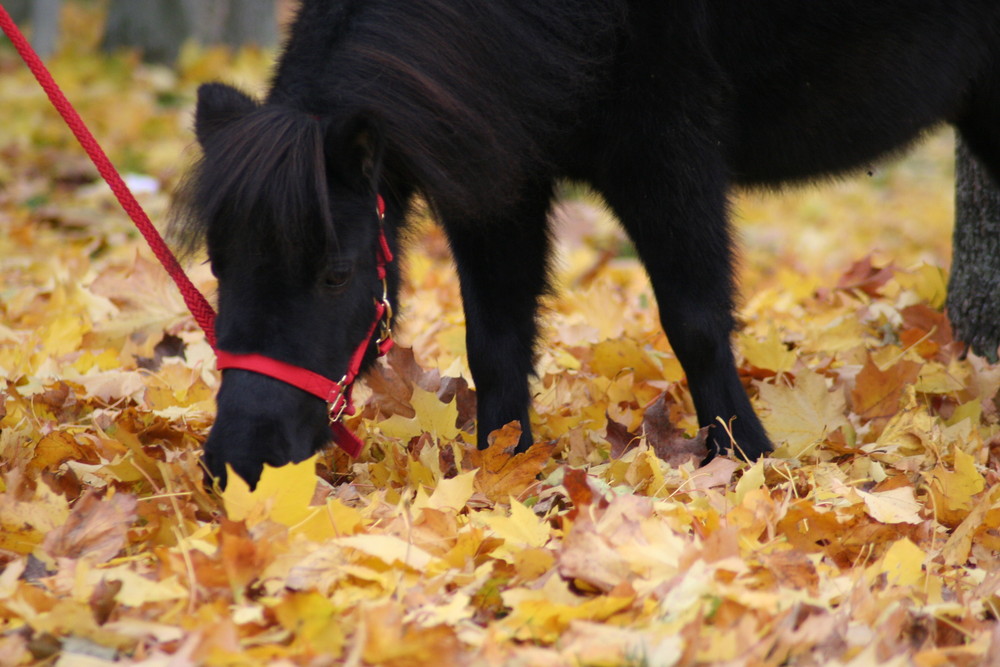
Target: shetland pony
<point>480,108</point>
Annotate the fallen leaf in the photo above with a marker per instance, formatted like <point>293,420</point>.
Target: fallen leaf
<point>799,418</point>
<point>282,494</point>
<point>501,472</point>
<point>896,506</point>
<point>96,528</point>
<point>877,393</point>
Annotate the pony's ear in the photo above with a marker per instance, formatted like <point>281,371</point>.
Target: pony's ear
<point>354,151</point>
<point>217,105</point>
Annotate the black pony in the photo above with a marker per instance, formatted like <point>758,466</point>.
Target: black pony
<point>481,107</point>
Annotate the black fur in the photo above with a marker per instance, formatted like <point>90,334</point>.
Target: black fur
<point>660,105</point>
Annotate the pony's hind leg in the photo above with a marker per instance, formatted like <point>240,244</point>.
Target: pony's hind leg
<point>673,204</point>
<point>974,282</point>
<point>502,268</point>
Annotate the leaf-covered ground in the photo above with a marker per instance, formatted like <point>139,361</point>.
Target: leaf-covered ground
<point>870,537</point>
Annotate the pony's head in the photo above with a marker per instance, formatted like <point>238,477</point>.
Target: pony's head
<point>285,203</point>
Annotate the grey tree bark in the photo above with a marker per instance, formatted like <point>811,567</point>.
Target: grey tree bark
<point>160,27</point>
<point>44,18</point>
<point>974,285</point>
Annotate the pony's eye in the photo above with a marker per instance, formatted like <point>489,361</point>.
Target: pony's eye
<point>336,279</point>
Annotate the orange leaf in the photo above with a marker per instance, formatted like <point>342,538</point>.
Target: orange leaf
<point>501,472</point>
<point>877,393</point>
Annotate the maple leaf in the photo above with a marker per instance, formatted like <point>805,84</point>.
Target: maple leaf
<point>431,416</point>
<point>282,494</point>
<point>799,418</point>
<point>954,491</point>
<point>500,472</point>
<point>878,393</point>
<point>770,354</point>
<point>588,556</point>
<point>903,563</point>
<point>619,437</point>
<point>450,494</point>
<point>312,619</point>
<point>522,527</point>
<point>668,441</point>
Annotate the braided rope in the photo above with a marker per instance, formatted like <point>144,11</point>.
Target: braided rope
<point>196,302</point>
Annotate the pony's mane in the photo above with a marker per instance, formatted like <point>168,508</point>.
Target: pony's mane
<point>260,183</point>
<point>469,93</point>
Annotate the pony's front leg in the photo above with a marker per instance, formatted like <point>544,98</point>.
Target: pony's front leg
<point>502,266</point>
<point>672,201</point>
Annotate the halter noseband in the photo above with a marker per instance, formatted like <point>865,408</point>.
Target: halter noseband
<point>337,395</point>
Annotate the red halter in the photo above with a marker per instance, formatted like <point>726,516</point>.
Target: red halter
<point>336,394</point>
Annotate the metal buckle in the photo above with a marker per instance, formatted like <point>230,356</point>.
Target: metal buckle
<point>333,411</point>
<point>385,325</point>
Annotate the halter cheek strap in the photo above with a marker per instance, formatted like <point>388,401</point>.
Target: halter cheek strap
<point>337,395</point>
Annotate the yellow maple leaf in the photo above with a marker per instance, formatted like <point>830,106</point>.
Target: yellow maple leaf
<point>335,519</point>
<point>611,357</point>
<point>312,620</point>
<point>543,614</point>
<point>953,490</point>
<point>522,528</point>
<point>799,418</point>
<point>281,495</point>
<point>752,479</point>
<point>450,495</point>
<point>903,563</point>
<point>770,353</point>
<point>24,523</point>
<point>959,545</point>
<point>138,590</point>
<point>432,416</point>
<point>929,282</point>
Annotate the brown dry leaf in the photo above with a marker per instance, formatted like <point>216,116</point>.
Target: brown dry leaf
<point>864,276</point>
<point>55,449</point>
<point>502,473</point>
<point>877,393</point>
<point>619,437</point>
<point>96,528</point>
<point>669,441</point>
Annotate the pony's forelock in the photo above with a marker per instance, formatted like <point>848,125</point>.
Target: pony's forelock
<point>260,184</point>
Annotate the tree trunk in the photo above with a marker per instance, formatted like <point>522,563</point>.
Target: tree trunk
<point>160,27</point>
<point>44,18</point>
<point>974,286</point>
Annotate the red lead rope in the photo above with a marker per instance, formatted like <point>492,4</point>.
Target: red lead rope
<point>196,302</point>
<point>336,394</point>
